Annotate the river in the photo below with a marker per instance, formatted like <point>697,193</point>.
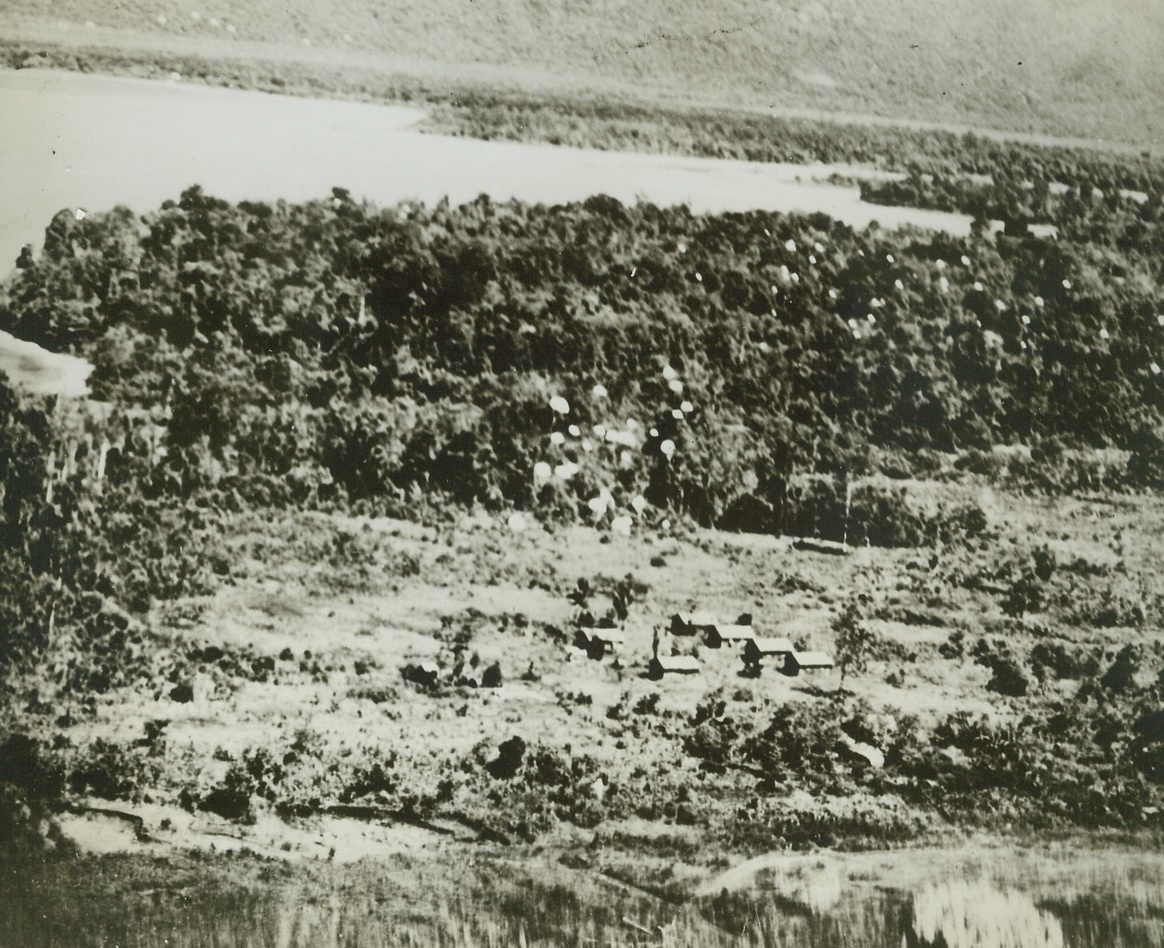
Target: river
<point>973,895</point>
<point>92,142</point>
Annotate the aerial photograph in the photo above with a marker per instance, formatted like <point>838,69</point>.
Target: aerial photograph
<point>589,473</point>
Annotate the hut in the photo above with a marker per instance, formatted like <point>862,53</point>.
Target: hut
<point>604,642</point>
<point>722,634</point>
<point>673,665</point>
<point>691,623</point>
<point>796,662</point>
<point>758,648</point>
<point>585,634</point>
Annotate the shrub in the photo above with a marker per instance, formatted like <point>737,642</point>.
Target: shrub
<point>1062,660</point>
<point>800,740</point>
<point>1120,675</point>
<point>231,799</point>
<point>1024,595</point>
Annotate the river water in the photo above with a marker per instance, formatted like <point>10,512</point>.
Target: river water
<point>91,142</point>
<point>963,897</point>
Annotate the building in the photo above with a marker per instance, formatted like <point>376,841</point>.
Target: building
<point>722,634</point>
<point>758,648</point>
<point>796,662</point>
<point>691,623</point>
<point>604,642</point>
<point>673,665</point>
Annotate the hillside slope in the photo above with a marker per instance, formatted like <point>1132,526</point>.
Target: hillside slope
<point>1063,67</point>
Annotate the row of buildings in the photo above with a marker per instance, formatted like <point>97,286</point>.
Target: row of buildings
<point>755,650</point>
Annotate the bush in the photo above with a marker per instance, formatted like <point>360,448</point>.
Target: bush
<point>1024,595</point>
<point>855,644</point>
<point>113,771</point>
<point>801,740</point>
<point>1062,660</point>
<point>23,767</point>
<point>1112,610</point>
<point>231,799</point>
<point>1009,678</point>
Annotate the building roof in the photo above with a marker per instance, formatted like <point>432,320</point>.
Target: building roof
<point>734,633</point>
<point>677,663</point>
<point>696,619</point>
<point>813,660</point>
<point>771,646</point>
<point>597,634</point>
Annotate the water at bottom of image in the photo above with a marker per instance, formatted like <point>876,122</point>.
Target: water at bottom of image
<point>895,900</point>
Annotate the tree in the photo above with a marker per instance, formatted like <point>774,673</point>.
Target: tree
<point>854,640</point>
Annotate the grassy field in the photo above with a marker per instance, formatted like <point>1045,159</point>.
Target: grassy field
<point>1083,68</point>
